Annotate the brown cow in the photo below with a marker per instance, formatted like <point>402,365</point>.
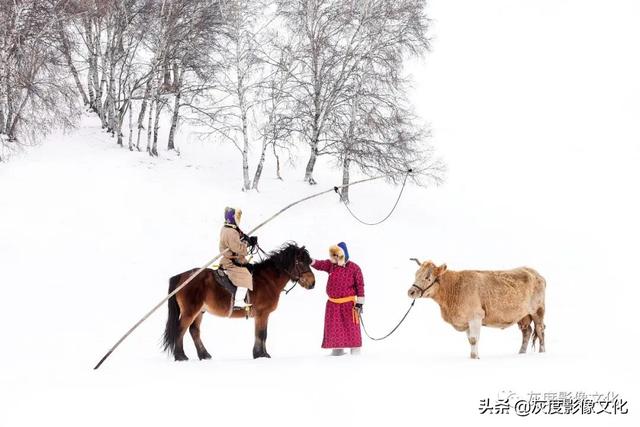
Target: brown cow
<point>471,299</point>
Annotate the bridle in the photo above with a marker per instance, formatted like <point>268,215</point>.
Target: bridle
<point>422,291</point>
<point>297,270</point>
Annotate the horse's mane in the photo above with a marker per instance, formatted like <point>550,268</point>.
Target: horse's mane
<point>284,257</point>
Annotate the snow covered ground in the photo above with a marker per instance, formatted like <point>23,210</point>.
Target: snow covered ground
<point>534,107</point>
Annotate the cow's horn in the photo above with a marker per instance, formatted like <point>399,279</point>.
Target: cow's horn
<point>416,260</point>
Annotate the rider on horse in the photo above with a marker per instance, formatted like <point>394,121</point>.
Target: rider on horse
<point>235,245</point>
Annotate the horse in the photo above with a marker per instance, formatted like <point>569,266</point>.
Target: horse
<point>204,293</point>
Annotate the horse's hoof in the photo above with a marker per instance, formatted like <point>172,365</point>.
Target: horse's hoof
<point>181,357</point>
<point>204,356</point>
<point>257,356</point>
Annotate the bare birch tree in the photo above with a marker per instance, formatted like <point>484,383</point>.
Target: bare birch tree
<point>332,40</point>
<point>35,93</point>
<point>234,75</point>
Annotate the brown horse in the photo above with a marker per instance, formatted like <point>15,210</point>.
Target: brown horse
<point>289,263</point>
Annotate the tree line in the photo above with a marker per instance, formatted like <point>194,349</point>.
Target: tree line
<point>265,75</point>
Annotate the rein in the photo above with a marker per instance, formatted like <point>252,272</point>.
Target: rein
<point>295,281</point>
<point>263,255</point>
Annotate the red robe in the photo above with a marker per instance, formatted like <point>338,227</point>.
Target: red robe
<point>340,330</point>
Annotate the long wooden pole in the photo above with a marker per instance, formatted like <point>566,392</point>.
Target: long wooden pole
<point>214,259</point>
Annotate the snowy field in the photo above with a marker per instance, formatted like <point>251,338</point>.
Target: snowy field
<point>534,107</point>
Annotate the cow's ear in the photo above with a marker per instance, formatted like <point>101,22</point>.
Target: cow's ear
<point>442,269</point>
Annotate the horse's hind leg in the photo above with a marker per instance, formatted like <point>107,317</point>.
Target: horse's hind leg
<point>525,327</point>
<point>194,330</point>
<point>538,319</point>
<point>186,319</point>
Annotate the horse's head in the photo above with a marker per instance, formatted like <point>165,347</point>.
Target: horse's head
<point>295,262</point>
<point>301,271</point>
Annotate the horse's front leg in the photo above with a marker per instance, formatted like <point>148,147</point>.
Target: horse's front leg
<point>260,344</point>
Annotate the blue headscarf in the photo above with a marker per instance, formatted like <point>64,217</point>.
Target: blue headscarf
<point>343,246</point>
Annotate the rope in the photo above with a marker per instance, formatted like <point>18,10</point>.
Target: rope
<point>393,330</point>
<point>286,292</point>
<point>404,183</point>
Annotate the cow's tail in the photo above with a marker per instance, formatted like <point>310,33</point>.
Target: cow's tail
<point>538,325</point>
<point>538,318</point>
<point>172,327</point>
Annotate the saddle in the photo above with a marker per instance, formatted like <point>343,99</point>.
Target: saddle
<point>225,282</point>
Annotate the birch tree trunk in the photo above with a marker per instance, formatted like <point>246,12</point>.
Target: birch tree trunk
<point>150,124</point>
<point>113,119</point>
<point>315,135</point>
<point>122,111</point>
<point>97,82</point>
<point>143,109</point>
<point>258,174</point>
<point>176,110</point>
<point>350,138</point>
<point>92,72</point>
<point>275,154</point>
<point>131,127</point>
<point>344,194</point>
<point>245,154</point>
<point>245,136</point>
<point>308,174</point>
<point>66,51</point>
<point>156,126</point>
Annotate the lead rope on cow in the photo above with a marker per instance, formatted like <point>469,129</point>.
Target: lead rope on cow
<point>392,331</point>
<point>404,183</point>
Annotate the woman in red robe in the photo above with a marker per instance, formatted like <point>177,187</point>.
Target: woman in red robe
<point>345,288</point>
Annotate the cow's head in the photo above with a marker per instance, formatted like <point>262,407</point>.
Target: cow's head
<point>426,276</point>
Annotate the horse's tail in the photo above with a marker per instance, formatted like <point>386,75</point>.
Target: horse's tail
<point>172,328</point>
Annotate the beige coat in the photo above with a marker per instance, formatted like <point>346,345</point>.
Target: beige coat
<point>230,239</point>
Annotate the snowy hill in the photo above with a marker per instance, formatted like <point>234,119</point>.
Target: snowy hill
<point>90,234</point>
<point>88,251</point>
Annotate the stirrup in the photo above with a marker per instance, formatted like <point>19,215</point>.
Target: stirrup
<point>246,309</point>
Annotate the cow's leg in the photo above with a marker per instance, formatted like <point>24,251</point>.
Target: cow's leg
<point>525,327</point>
<point>538,320</point>
<point>473,334</point>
